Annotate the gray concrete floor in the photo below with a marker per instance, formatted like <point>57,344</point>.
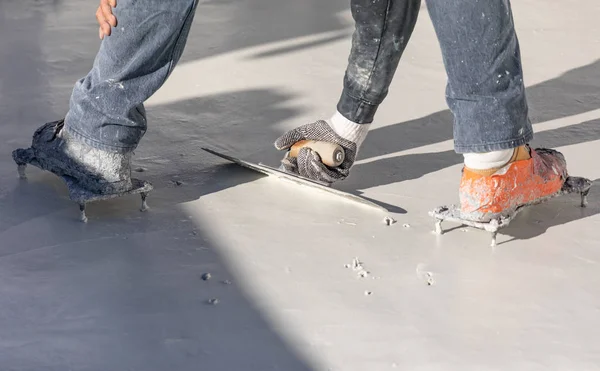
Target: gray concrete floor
<point>124,292</point>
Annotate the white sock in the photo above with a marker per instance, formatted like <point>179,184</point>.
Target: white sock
<point>349,130</point>
<point>489,160</point>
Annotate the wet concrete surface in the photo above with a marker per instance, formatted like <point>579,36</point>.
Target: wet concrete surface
<point>125,291</point>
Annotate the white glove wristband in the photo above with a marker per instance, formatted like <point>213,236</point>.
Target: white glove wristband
<point>349,130</point>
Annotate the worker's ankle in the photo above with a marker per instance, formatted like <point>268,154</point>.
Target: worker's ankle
<point>486,164</point>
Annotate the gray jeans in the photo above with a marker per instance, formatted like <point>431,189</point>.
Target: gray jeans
<point>485,89</point>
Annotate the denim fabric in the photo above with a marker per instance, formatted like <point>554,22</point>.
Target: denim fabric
<point>485,89</point>
<point>106,107</point>
<point>382,30</point>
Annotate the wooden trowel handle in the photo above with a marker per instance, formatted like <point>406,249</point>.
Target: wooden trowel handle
<point>331,154</point>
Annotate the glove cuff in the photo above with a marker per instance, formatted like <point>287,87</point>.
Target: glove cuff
<point>349,130</point>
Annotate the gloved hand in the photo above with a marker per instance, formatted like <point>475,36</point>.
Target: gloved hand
<point>308,163</point>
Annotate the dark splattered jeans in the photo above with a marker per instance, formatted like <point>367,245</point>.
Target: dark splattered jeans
<point>485,89</point>
<point>481,53</point>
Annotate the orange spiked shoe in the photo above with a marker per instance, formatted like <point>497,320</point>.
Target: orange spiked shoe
<point>529,176</point>
<point>490,199</point>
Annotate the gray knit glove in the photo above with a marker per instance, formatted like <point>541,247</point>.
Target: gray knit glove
<point>308,163</point>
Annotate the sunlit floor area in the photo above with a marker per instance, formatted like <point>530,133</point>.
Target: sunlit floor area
<point>231,270</point>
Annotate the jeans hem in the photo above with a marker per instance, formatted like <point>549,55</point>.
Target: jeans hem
<point>96,144</point>
<point>496,146</point>
<point>355,109</point>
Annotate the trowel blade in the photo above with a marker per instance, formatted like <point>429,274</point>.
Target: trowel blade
<point>270,171</point>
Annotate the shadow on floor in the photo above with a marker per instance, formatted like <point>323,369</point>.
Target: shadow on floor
<point>561,210</point>
<point>572,93</point>
<point>125,292</point>
<point>401,168</point>
<point>538,219</point>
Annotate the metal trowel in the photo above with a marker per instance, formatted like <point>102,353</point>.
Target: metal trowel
<point>331,155</point>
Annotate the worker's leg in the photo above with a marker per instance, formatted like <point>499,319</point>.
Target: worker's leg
<point>106,120</point>
<point>486,94</point>
<point>485,88</point>
<point>106,108</point>
<point>383,29</point>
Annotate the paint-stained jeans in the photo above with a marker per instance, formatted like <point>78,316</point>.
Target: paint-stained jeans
<point>480,49</point>
<point>485,89</point>
<point>106,106</point>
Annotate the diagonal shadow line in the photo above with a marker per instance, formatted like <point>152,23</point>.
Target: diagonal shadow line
<point>149,263</point>
<point>389,207</point>
<point>298,47</point>
<point>578,86</point>
<point>537,219</point>
<point>149,311</point>
<point>402,168</point>
<point>571,93</point>
<point>79,307</point>
<point>198,123</point>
